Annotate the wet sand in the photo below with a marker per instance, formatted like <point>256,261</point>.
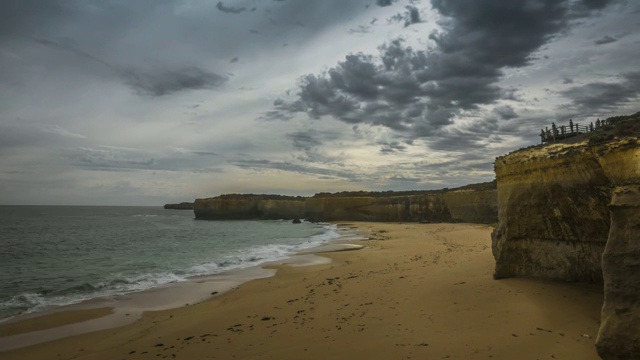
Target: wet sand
<point>415,291</point>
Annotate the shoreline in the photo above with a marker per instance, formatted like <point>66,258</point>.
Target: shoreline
<point>108,312</point>
<point>416,290</point>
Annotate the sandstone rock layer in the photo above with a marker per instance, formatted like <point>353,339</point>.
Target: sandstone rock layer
<point>571,212</point>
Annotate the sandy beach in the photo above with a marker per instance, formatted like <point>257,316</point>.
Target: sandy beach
<point>415,291</point>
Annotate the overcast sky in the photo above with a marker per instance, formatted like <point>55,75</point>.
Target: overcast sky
<point>121,102</point>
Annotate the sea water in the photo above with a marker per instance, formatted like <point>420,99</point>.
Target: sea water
<point>60,255</point>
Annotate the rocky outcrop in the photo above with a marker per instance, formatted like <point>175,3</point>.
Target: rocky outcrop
<point>571,212</point>
<point>619,335</point>
<point>180,206</point>
<point>237,207</point>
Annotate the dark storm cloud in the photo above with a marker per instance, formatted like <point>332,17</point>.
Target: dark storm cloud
<point>230,9</point>
<point>607,39</point>
<point>604,96</point>
<point>411,16</point>
<point>418,92</point>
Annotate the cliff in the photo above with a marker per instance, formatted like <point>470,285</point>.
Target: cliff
<point>569,211</point>
<point>478,206</point>
<point>236,207</point>
<point>476,203</point>
<point>180,206</point>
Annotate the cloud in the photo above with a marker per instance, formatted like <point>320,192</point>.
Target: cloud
<point>604,96</point>
<point>384,3</point>
<point>158,81</point>
<point>410,17</point>
<point>230,9</point>
<point>607,39</point>
<point>413,15</point>
<point>292,167</point>
<point>505,112</point>
<point>392,147</point>
<point>361,29</point>
<point>110,158</point>
<point>305,140</point>
<point>418,92</point>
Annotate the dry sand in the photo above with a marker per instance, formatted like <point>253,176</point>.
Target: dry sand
<point>416,291</point>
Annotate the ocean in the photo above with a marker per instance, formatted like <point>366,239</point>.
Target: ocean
<point>52,256</point>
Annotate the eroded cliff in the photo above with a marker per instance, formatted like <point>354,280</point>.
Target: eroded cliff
<point>236,207</point>
<point>475,203</point>
<point>571,212</point>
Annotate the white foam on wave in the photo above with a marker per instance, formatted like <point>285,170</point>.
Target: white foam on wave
<point>260,254</point>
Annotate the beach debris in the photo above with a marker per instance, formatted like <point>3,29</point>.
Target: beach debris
<point>266,318</point>
<point>541,329</point>
<point>586,336</point>
<point>214,292</point>
<point>188,338</point>
<point>158,345</point>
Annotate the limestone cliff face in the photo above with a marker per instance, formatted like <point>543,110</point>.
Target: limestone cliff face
<point>476,205</point>
<point>553,209</point>
<point>452,206</point>
<point>430,208</point>
<point>248,207</point>
<point>619,335</point>
<point>571,212</point>
<point>553,214</point>
<point>472,206</point>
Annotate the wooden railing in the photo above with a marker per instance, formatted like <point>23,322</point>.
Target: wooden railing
<point>557,133</point>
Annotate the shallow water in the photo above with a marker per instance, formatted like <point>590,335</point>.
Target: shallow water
<point>59,255</point>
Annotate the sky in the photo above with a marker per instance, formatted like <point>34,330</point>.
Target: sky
<point>146,102</point>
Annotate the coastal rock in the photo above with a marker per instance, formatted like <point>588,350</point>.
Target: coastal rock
<point>571,212</point>
<point>181,206</point>
<point>619,335</point>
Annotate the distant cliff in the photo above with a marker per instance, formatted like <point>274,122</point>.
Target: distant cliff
<point>474,203</point>
<point>180,206</point>
<point>478,206</point>
<point>571,212</point>
<point>237,207</point>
